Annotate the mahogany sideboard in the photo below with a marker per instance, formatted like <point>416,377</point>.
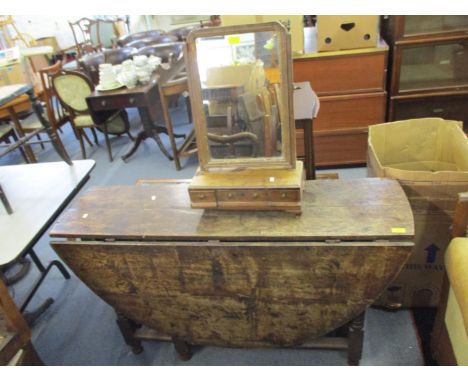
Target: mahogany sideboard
<point>239,278</point>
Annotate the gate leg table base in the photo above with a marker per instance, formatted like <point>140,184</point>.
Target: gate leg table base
<point>133,333</point>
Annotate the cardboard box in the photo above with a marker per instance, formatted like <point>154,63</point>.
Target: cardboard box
<point>347,32</point>
<point>13,74</point>
<point>429,157</point>
<point>294,23</point>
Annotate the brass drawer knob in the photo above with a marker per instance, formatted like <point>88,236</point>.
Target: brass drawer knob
<point>103,103</point>
<point>131,100</point>
<point>229,195</point>
<point>283,195</point>
<point>255,195</point>
<point>202,196</point>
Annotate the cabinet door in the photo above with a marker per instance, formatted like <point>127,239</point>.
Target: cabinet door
<point>426,67</point>
<point>453,107</point>
<point>429,25</point>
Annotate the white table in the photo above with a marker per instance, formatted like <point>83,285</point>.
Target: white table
<point>37,194</point>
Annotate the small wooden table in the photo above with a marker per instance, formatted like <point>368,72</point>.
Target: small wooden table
<point>145,98</point>
<point>10,93</point>
<point>37,194</point>
<point>239,278</point>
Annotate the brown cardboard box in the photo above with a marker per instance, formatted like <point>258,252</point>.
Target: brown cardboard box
<point>429,157</point>
<point>13,74</point>
<point>347,32</point>
<point>294,23</point>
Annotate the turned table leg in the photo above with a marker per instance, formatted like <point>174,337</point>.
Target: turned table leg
<point>127,328</point>
<point>355,339</point>
<point>183,348</point>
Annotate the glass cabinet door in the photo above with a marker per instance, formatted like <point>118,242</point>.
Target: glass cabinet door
<point>433,66</point>
<point>421,25</point>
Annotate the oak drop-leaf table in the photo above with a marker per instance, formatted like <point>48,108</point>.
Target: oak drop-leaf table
<point>239,278</point>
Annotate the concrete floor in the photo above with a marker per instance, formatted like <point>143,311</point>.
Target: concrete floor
<point>80,329</point>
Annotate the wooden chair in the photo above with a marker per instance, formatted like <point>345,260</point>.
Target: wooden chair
<point>449,340</point>
<point>22,110</point>
<point>107,33</point>
<point>85,33</point>
<point>15,335</point>
<point>56,114</point>
<point>72,88</point>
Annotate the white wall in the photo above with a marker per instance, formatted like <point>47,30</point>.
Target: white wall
<point>46,26</point>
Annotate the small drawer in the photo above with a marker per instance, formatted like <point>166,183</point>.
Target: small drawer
<point>203,196</point>
<point>285,195</point>
<point>348,111</point>
<point>242,195</point>
<point>343,74</point>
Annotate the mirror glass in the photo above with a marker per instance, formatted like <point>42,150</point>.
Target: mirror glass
<point>240,77</point>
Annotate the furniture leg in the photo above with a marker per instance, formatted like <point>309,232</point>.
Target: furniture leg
<point>189,109</point>
<point>153,130</point>
<point>56,142</point>
<point>5,201</point>
<point>93,130</point>
<point>25,264</point>
<point>31,358</point>
<point>36,261</point>
<point>170,130</point>
<point>23,154</point>
<point>83,150</point>
<point>355,339</point>
<point>53,263</point>
<point>142,135</point>
<point>127,328</point>
<point>20,133</point>
<point>106,137</point>
<point>83,131</point>
<point>309,158</point>
<point>40,141</point>
<point>183,348</point>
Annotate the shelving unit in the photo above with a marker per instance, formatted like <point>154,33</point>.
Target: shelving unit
<point>428,73</point>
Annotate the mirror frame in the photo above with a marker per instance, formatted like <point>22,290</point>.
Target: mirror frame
<point>288,133</point>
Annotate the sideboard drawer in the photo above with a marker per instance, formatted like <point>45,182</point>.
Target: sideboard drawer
<point>359,73</point>
<point>347,111</point>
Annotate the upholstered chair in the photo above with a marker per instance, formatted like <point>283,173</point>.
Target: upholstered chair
<point>72,88</point>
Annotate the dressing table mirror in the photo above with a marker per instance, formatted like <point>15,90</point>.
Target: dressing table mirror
<point>240,80</point>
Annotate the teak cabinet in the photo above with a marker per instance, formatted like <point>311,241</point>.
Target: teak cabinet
<point>350,85</point>
<point>428,67</point>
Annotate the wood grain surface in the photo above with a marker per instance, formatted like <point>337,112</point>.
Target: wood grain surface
<point>360,209</point>
<point>231,294</point>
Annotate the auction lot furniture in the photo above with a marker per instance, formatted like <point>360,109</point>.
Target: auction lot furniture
<point>8,94</point>
<point>144,97</point>
<point>350,85</point>
<point>36,194</point>
<point>429,66</point>
<point>239,278</point>
<point>15,336</point>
